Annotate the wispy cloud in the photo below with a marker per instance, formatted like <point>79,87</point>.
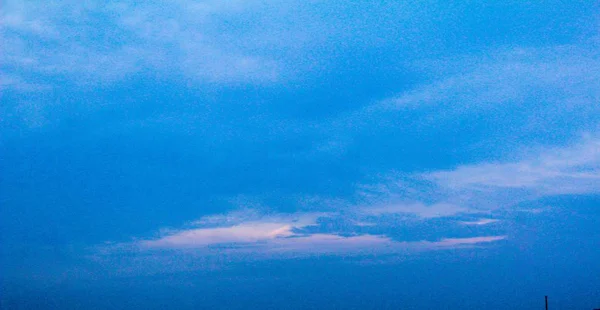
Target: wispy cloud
<point>519,92</point>
<point>416,209</point>
<point>479,188</point>
<point>571,169</point>
<point>529,88</point>
<point>563,75</point>
<point>151,258</point>
<point>17,83</point>
<point>248,228</point>
<point>102,44</point>
<point>369,244</point>
<point>551,171</point>
<point>465,190</point>
<point>565,78</point>
<point>453,242</point>
<point>244,233</point>
<point>283,235</point>
<point>480,222</point>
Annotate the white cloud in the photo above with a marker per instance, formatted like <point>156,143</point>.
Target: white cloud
<point>267,239</point>
<point>104,43</point>
<point>320,243</point>
<point>456,242</point>
<point>180,258</point>
<point>564,75</point>
<point>566,82</point>
<point>201,237</point>
<point>8,81</point>
<point>550,87</point>
<point>572,169</point>
<point>545,87</point>
<point>363,244</point>
<point>282,236</point>
<point>238,227</point>
<point>479,222</point>
<point>482,188</point>
<point>418,209</point>
<point>548,171</point>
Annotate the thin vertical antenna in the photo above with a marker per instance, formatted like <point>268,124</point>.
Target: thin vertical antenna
<point>546,302</point>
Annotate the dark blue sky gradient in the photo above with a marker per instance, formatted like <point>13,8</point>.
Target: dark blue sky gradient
<point>299,155</point>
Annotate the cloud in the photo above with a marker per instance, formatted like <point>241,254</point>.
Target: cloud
<point>281,236</point>
<point>418,209</point>
<point>250,232</point>
<point>251,213</point>
<point>467,189</point>
<point>482,188</point>
<point>17,83</point>
<point>125,259</point>
<point>508,96</point>
<point>245,231</point>
<point>100,44</point>
<point>454,242</point>
<point>573,169</point>
<point>363,244</point>
<point>563,75</point>
<point>322,243</point>
<point>555,80</point>
<point>479,222</point>
<point>273,233</point>
<point>531,174</point>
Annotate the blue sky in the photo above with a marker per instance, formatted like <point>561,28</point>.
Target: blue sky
<point>299,154</point>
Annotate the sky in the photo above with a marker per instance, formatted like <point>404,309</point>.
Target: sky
<point>299,154</point>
